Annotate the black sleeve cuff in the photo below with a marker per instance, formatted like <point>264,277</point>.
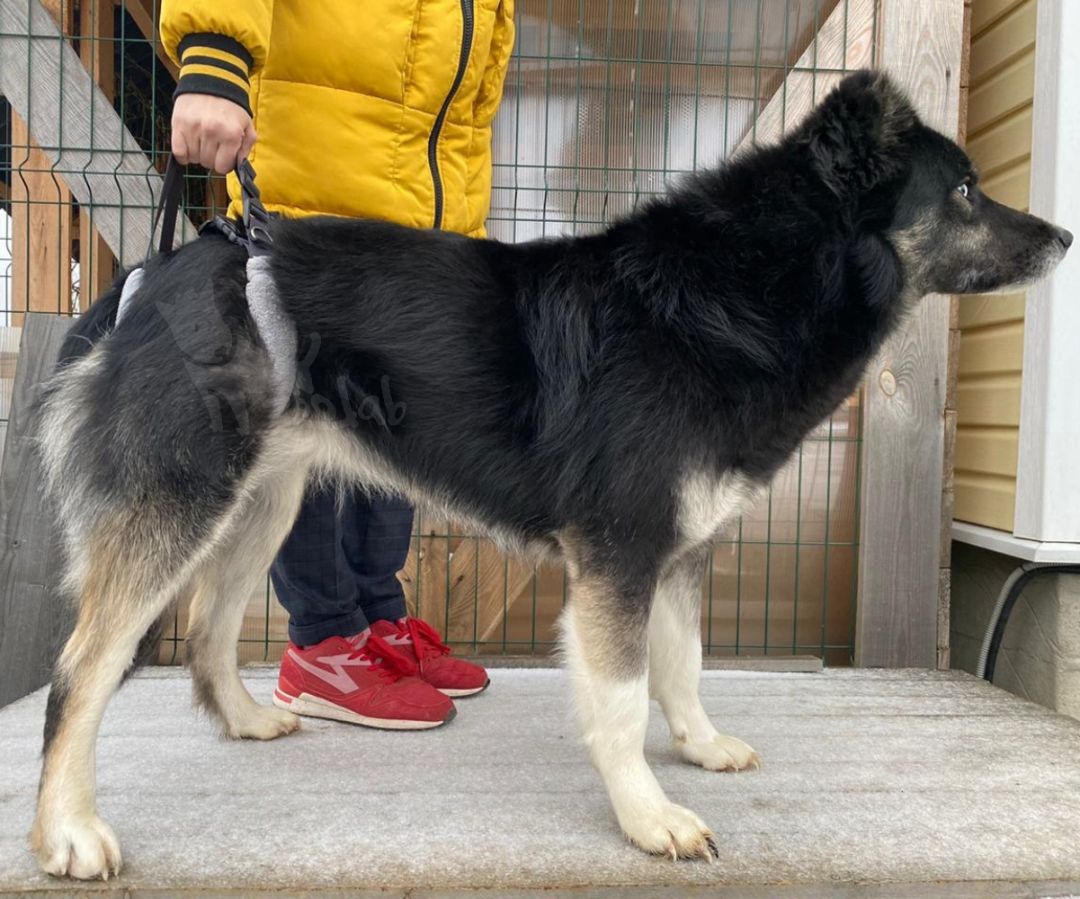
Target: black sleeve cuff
<point>215,64</point>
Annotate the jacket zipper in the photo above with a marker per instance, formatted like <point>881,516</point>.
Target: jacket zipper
<point>433,140</point>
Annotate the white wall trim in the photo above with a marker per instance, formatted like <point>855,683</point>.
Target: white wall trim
<point>1048,466</point>
<point>1010,545</point>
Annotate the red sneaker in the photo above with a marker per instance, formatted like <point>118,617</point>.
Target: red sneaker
<point>361,680</point>
<point>421,644</point>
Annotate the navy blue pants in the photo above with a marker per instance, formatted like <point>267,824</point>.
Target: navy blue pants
<point>337,571</point>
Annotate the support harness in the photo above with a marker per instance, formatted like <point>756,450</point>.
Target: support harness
<point>276,330</point>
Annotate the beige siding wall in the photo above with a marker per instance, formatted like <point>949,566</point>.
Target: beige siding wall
<point>992,341</point>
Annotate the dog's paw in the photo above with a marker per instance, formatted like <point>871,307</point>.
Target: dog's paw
<point>262,722</point>
<point>721,753</point>
<point>670,830</point>
<point>84,848</point>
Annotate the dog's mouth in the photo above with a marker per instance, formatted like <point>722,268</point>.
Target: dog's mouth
<point>1016,273</point>
<point>992,250</point>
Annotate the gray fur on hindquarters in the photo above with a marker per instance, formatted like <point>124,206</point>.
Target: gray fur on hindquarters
<point>276,330</point>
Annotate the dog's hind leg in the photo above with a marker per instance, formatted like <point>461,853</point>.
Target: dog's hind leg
<point>222,587</point>
<point>122,589</point>
<point>605,644</point>
<point>675,671</point>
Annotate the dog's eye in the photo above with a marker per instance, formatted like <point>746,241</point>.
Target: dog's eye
<point>965,190</point>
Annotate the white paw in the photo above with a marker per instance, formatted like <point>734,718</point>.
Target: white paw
<point>669,829</point>
<point>721,753</point>
<point>262,722</point>
<point>81,847</point>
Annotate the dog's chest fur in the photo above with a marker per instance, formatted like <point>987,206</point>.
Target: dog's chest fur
<point>708,502</point>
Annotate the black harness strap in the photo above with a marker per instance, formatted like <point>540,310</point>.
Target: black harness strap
<point>253,232</point>
<point>254,215</point>
<point>168,207</point>
<point>275,328</point>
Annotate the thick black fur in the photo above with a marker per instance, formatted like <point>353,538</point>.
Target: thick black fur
<point>565,383</point>
<point>186,373</point>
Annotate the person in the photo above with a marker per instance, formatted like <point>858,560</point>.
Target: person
<point>379,110</point>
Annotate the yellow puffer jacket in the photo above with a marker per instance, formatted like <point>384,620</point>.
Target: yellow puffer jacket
<point>380,109</point>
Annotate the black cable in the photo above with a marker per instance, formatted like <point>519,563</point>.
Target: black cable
<point>1007,607</point>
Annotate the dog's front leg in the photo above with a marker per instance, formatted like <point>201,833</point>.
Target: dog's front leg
<point>675,672</point>
<point>605,642</point>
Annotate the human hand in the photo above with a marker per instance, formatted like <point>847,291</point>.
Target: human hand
<point>212,131</point>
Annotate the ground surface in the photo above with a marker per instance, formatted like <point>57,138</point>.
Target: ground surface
<point>932,783</point>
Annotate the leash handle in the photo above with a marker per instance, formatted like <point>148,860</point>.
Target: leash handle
<point>168,207</point>
<point>255,217</point>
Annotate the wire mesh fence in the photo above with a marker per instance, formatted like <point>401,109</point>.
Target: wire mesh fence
<point>605,104</point>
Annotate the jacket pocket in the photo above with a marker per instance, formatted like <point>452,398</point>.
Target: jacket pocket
<point>498,61</point>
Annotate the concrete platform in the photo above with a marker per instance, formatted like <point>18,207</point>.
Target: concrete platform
<point>897,784</point>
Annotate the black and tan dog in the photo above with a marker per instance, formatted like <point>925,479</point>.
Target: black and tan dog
<point>613,400</point>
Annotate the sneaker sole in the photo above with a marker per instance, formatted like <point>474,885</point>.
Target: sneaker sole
<point>313,707</point>
<point>472,691</point>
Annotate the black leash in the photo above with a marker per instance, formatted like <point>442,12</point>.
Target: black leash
<point>168,208</point>
<point>254,217</point>
<point>253,231</point>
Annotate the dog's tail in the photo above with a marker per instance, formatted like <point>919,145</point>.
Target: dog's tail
<point>93,324</point>
<point>62,405</point>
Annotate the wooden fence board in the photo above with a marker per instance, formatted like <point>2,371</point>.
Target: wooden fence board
<point>40,230</point>
<point>34,619</point>
<point>904,418</point>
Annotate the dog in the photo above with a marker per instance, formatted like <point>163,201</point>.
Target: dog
<point>612,400</point>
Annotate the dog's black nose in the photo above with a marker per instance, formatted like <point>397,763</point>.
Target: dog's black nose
<point>1065,237</point>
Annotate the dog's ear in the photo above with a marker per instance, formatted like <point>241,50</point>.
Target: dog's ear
<point>856,136</point>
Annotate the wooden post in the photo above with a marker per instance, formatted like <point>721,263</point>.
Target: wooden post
<point>40,217</point>
<point>920,44</point>
<point>40,230</point>
<point>96,260</point>
<point>948,488</point>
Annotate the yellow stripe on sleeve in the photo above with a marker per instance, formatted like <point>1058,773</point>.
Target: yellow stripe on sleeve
<point>212,53</point>
<point>214,72</point>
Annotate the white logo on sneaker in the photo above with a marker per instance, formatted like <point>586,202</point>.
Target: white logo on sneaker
<point>338,678</point>
<point>398,639</point>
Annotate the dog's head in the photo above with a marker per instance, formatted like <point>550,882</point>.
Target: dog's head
<point>920,193</point>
